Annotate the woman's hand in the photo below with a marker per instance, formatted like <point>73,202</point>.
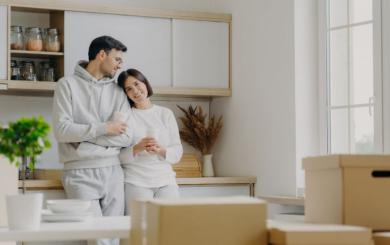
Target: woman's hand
<point>144,144</point>
<point>115,128</point>
<point>156,149</point>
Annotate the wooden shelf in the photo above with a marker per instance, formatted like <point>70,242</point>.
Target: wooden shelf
<point>35,54</point>
<point>37,86</point>
<point>205,92</point>
<point>48,87</point>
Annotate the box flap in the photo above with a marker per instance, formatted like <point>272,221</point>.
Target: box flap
<point>347,161</point>
<point>290,233</point>
<point>381,238</point>
<point>321,162</point>
<point>366,161</point>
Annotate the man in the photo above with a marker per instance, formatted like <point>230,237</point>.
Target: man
<point>88,140</point>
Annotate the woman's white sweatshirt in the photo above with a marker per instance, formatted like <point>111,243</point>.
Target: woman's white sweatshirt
<point>146,169</point>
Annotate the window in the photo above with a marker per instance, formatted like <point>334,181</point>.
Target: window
<point>353,98</point>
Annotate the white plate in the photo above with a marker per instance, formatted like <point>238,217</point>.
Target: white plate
<point>49,216</point>
<point>68,205</point>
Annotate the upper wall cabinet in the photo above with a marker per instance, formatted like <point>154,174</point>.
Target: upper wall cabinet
<point>3,42</point>
<point>181,53</point>
<point>200,54</point>
<point>148,42</point>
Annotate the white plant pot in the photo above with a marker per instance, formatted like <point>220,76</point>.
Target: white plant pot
<point>24,211</point>
<point>208,169</point>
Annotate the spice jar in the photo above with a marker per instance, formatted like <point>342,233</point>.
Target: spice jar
<point>16,38</point>
<point>34,39</point>
<point>52,42</point>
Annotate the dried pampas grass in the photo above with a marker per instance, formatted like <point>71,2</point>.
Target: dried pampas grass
<point>196,132</point>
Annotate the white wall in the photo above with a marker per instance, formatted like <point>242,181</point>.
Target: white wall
<point>259,133</point>
<point>306,83</point>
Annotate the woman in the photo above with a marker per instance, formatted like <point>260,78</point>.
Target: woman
<point>147,163</point>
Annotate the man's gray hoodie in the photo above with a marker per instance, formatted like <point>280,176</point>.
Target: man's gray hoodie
<point>82,106</point>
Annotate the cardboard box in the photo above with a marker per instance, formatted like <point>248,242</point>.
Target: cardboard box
<point>203,221</point>
<point>348,189</point>
<point>381,238</point>
<point>289,233</point>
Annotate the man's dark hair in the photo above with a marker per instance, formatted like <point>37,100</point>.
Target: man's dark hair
<point>105,43</point>
<point>137,75</point>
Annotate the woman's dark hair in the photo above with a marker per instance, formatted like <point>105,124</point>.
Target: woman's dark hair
<point>105,43</point>
<point>137,75</point>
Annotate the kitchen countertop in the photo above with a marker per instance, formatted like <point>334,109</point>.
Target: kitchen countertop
<point>51,179</point>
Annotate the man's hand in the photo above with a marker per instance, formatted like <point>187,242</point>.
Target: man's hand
<point>115,128</point>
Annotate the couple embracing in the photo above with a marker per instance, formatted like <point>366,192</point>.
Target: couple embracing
<point>116,145</point>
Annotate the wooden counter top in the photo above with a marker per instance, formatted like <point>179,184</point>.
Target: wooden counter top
<point>51,179</point>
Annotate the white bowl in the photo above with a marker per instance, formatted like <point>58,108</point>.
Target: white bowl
<point>68,205</point>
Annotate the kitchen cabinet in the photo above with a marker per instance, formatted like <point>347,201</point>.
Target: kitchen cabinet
<point>42,18</point>
<point>200,54</point>
<point>148,41</point>
<point>182,53</point>
<point>3,42</point>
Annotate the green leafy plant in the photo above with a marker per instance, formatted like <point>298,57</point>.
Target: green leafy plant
<point>199,132</point>
<point>24,140</point>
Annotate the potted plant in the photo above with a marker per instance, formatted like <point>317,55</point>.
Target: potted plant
<point>21,142</point>
<point>201,134</point>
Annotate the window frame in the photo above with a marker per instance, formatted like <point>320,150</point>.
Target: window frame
<point>324,88</point>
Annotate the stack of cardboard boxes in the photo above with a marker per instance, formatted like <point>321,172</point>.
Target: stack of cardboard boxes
<point>347,197</point>
<point>350,190</point>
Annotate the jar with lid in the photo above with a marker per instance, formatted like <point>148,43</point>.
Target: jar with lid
<point>17,38</point>
<point>34,39</point>
<point>28,71</point>
<point>47,71</point>
<point>15,70</point>
<point>52,42</point>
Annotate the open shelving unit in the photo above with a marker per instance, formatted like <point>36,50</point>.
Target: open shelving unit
<point>35,17</point>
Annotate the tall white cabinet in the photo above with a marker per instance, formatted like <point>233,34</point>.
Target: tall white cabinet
<point>148,41</point>
<point>3,42</point>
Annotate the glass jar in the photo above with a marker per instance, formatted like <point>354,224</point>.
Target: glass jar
<point>15,70</point>
<point>50,76</point>
<point>28,71</point>
<point>34,39</point>
<point>16,38</point>
<point>52,42</point>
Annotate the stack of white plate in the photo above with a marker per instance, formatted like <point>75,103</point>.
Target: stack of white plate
<point>66,210</point>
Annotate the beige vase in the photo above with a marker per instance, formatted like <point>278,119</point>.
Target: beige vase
<point>208,168</point>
